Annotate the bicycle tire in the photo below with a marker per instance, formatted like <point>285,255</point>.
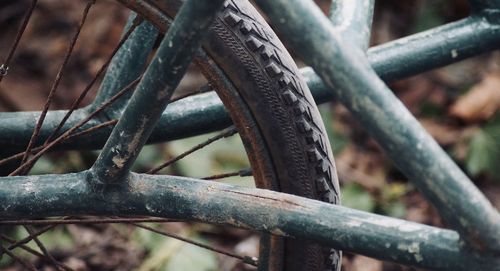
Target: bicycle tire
<point>276,116</point>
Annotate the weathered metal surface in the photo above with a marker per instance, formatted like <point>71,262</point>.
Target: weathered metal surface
<point>128,64</point>
<point>353,19</point>
<point>154,90</point>
<point>262,210</point>
<point>392,61</point>
<point>415,152</point>
<point>188,117</point>
<point>481,5</point>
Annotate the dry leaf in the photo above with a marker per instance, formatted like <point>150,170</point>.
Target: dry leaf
<point>362,263</point>
<point>481,102</point>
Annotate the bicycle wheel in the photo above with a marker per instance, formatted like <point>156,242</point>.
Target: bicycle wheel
<point>276,117</point>
<point>274,113</point>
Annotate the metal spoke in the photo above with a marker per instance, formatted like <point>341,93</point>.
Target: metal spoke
<point>86,221</point>
<point>93,128</point>
<point>27,265</point>
<point>4,68</point>
<point>225,133</point>
<point>74,128</point>
<point>200,90</point>
<point>40,245</point>
<point>53,89</point>
<point>70,136</point>
<point>246,259</point>
<point>32,251</point>
<point>29,238</point>
<point>103,68</point>
<point>242,173</point>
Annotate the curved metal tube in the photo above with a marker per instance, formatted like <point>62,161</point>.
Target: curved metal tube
<point>256,209</point>
<point>353,19</point>
<point>373,104</point>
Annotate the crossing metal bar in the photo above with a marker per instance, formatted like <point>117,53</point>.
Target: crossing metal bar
<point>353,19</point>
<point>262,210</point>
<point>126,66</point>
<point>391,61</point>
<point>154,90</point>
<point>347,72</point>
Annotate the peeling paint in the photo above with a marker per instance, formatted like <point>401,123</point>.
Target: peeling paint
<point>118,161</point>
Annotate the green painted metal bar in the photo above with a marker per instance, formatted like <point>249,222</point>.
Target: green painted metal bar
<point>154,90</point>
<point>481,5</point>
<point>353,19</point>
<point>434,48</point>
<point>191,116</point>
<point>392,61</point>
<point>358,87</point>
<point>262,210</point>
<point>126,66</point>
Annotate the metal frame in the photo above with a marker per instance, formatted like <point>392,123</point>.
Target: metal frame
<point>356,78</point>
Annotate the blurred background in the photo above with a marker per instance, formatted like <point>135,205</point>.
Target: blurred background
<point>456,104</point>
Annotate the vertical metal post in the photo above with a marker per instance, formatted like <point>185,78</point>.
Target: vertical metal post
<point>346,71</point>
<point>154,90</point>
<point>353,18</point>
<point>128,64</point>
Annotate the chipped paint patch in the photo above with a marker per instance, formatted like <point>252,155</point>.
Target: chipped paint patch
<point>118,161</point>
<point>413,248</point>
<point>28,187</point>
<point>353,223</point>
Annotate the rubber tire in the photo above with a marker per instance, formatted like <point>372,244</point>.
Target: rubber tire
<point>276,116</point>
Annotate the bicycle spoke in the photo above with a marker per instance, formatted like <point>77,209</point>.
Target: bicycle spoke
<point>242,173</point>
<point>27,265</point>
<point>70,136</point>
<point>4,68</point>
<point>74,128</point>
<point>33,252</point>
<point>103,68</point>
<point>93,128</point>
<point>86,221</point>
<point>29,238</point>
<point>44,250</point>
<point>55,84</point>
<point>246,259</point>
<point>225,133</point>
<point>200,90</point>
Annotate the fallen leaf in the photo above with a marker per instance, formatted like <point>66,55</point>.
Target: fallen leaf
<point>362,263</point>
<point>481,102</point>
